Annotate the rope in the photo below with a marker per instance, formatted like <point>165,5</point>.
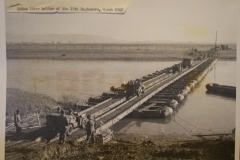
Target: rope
<point>182,126</point>
<point>197,126</point>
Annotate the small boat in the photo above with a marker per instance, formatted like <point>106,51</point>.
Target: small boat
<point>221,89</point>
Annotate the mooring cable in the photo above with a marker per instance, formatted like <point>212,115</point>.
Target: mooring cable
<point>197,126</point>
<point>182,126</point>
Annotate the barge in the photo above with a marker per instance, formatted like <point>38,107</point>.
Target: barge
<point>229,91</point>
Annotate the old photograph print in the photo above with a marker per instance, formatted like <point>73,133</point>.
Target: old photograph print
<point>158,82</point>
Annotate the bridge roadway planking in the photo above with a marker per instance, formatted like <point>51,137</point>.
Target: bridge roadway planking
<point>112,113</point>
<point>131,102</point>
<point>147,94</point>
<point>99,110</point>
<point>104,106</point>
<point>118,110</point>
<point>121,111</point>
<point>107,105</point>
<point>113,102</point>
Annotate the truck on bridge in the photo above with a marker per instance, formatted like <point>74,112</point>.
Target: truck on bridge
<point>225,47</point>
<point>187,63</point>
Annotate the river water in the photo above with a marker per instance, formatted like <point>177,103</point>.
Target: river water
<point>78,80</point>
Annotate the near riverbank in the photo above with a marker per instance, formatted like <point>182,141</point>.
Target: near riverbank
<point>131,146</point>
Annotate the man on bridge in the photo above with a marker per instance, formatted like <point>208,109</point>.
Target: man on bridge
<point>90,127</point>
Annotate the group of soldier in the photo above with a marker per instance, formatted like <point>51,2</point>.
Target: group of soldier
<point>63,125</point>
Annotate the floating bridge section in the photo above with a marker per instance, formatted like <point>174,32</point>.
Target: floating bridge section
<point>114,109</point>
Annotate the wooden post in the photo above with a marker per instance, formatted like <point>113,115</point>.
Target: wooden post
<point>216,41</point>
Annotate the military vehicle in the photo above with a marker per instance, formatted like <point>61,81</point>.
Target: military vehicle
<point>187,63</point>
<point>78,120</point>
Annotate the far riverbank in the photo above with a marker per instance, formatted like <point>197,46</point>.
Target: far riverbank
<point>104,54</point>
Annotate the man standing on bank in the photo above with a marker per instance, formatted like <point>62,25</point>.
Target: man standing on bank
<point>17,121</point>
<point>63,124</point>
<point>90,127</point>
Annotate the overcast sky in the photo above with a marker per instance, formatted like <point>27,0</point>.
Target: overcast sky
<point>155,20</point>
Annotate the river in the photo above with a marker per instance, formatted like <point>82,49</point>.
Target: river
<point>78,80</point>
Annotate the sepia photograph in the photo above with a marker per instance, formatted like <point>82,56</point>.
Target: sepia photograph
<point>157,82</point>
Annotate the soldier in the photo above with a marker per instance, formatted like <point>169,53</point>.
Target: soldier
<point>71,117</point>
<point>128,90</point>
<point>59,109</point>
<point>90,127</point>
<point>71,112</point>
<point>63,124</point>
<point>17,121</point>
<point>138,86</point>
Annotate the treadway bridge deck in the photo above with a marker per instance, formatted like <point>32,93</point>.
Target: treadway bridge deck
<point>119,111</point>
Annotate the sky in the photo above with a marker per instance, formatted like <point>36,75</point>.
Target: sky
<point>144,21</point>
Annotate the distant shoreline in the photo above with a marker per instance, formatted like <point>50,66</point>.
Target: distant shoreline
<point>111,55</point>
<point>91,59</point>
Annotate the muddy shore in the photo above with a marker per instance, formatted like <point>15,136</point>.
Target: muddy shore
<point>129,146</point>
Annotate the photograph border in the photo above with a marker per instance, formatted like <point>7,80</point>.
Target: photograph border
<point>3,81</point>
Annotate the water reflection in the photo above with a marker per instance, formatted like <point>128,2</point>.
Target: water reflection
<point>76,79</point>
<point>127,123</point>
